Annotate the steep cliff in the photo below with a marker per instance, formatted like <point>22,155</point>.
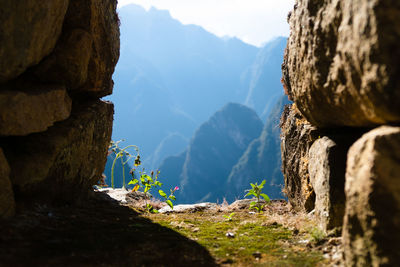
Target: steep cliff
<point>261,160</point>
<point>203,169</point>
<point>341,70</point>
<point>56,60</point>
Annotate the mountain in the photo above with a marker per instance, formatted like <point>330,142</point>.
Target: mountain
<point>172,77</point>
<point>261,160</point>
<point>170,173</point>
<point>213,151</point>
<point>265,78</point>
<point>173,144</point>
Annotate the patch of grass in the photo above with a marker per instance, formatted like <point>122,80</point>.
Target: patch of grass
<point>254,243</point>
<point>317,234</point>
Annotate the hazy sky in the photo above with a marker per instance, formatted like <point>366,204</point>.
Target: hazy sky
<point>253,21</point>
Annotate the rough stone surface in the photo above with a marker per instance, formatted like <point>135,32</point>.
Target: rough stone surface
<point>297,135</point>
<point>55,56</point>
<point>341,65</point>
<point>69,62</point>
<point>7,203</point>
<point>327,167</point>
<point>29,31</point>
<point>188,208</point>
<point>32,110</point>
<point>371,230</point>
<point>99,19</point>
<point>65,161</point>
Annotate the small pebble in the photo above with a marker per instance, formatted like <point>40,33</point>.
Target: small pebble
<point>257,255</point>
<point>230,235</point>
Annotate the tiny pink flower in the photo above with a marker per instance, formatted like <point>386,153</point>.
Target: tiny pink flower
<point>176,188</point>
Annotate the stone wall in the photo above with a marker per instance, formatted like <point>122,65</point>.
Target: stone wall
<point>56,60</point>
<point>341,70</point>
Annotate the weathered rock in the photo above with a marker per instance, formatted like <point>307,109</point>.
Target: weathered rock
<point>327,167</point>
<point>69,63</point>
<point>65,161</point>
<point>297,135</point>
<point>32,110</point>
<point>342,62</point>
<point>7,203</point>
<point>29,31</point>
<point>371,230</point>
<point>189,207</point>
<point>100,20</point>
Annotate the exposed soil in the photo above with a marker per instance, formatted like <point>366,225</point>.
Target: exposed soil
<point>102,232</point>
<point>99,233</point>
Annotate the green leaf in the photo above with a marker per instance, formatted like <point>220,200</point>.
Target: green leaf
<point>252,204</point>
<point>266,197</point>
<point>262,183</point>
<point>134,181</point>
<point>169,202</point>
<point>251,192</point>
<point>147,177</point>
<point>162,193</point>
<point>172,197</point>
<point>158,183</point>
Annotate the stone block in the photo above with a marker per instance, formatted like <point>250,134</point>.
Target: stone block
<point>371,229</point>
<point>29,30</point>
<point>32,110</point>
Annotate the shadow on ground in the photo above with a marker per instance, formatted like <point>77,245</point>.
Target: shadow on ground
<point>98,233</point>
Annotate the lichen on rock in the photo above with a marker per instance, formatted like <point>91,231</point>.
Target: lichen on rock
<point>297,136</point>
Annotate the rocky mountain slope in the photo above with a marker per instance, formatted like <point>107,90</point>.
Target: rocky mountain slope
<point>265,88</point>
<point>172,77</point>
<point>260,161</point>
<point>214,149</point>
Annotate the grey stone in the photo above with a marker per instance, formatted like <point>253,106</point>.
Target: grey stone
<point>326,167</point>
<point>371,229</point>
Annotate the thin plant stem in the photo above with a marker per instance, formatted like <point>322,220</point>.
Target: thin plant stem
<point>123,172</point>
<point>112,172</point>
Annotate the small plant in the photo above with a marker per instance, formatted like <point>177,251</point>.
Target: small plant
<point>168,199</point>
<point>147,182</point>
<point>229,217</point>
<point>125,156</point>
<point>317,234</point>
<point>255,191</point>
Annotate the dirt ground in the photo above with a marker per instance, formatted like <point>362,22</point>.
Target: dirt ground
<point>102,232</point>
